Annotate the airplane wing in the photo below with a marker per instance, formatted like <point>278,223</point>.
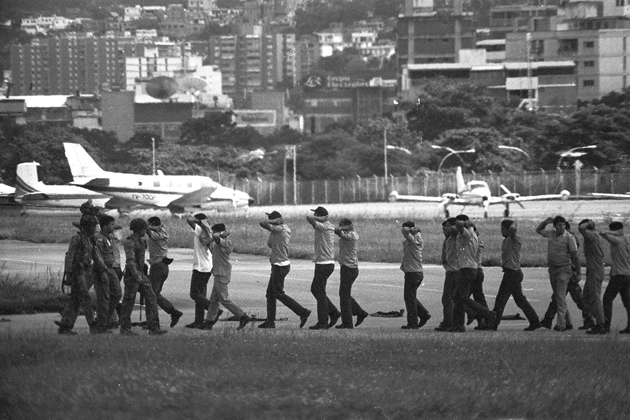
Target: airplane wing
<point>195,198</point>
<point>394,196</point>
<point>564,195</point>
<point>34,196</point>
<point>625,196</point>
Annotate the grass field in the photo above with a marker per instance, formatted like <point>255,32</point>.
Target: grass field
<point>248,374</point>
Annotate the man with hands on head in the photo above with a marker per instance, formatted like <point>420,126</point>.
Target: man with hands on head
<point>349,271</point>
<point>561,253</point>
<point>619,273</point>
<point>417,314</point>
<point>324,259</point>
<point>592,294</point>
<point>279,238</point>
<point>202,267</point>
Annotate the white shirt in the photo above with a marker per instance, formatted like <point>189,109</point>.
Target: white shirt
<point>202,258</point>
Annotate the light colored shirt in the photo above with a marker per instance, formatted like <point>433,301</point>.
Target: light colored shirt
<point>619,253</point>
<point>202,259</point>
<point>511,252</point>
<point>348,241</point>
<point>158,245</point>
<point>221,257</point>
<point>559,248</point>
<point>412,254</point>
<point>479,252</point>
<point>279,238</point>
<point>593,251</point>
<point>467,246</point>
<point>324,243</point>
<point>449,254</point>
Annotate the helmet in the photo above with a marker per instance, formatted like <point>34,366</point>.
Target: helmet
<point>138,224</point>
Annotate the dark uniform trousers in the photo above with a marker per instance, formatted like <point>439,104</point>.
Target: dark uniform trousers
<point>463,300</point>
<point>414,308</point>
<point>199,293</point>
<point>347,304</point>
<point>451,280</point>
<point>132,287</point>
<point>617,285</point>
<point>79,299</point>
<point>157,276</point>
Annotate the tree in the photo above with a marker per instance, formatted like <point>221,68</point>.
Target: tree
<point>207,130</point>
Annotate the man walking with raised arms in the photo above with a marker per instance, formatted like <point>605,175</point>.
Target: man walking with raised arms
<point>511,284</point>
<point>349,271</point>
<point>324,259</point>
<point>412,267</point>
<point>619,273</point>
<point>202,266</point>
<point>592,294</point>
<point>451,277</point>
<point>279,238</point>
<point>561,253</point>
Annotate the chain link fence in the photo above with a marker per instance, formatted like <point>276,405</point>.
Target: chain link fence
<point>372,189</point>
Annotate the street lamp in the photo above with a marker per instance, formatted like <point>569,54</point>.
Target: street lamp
<point>574,153</point>
<point>514,148</point>
<point>452,152</point>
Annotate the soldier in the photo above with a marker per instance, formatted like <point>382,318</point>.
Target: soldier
<point>324,259</point>
<point>77,269</point>
<point>110,281</point>
<point>221,248</point>
<point>349,271</point>
<point>116,238</point>
<point>159,262</point>
<point>417,315</point>
<point>279,237</point>
<point>135,280</point>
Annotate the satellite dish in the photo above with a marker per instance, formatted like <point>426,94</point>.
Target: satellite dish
<point>191,84</point>
<point>162,87</point>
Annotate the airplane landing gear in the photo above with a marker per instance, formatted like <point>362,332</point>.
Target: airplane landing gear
<point>506,212</point>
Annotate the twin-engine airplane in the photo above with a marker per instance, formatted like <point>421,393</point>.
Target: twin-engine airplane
<point>31,192</point>
<point>178,193</point>
<point>476,193</point>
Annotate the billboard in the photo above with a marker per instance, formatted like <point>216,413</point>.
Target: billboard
<point>255,118</point>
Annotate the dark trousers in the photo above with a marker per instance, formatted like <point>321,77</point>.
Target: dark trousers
<point>448,295</point>
<point>476,291</point>
<point>101,288</point>
<point>114,298</point>
<point>414,308</point>
<point>463,300</point>
<point>132,287</point>
<point>198,293</point>
<point>318,288</point>
<point>617,285</point>
<point>157,276</point>
<point>573,289</point>
<point>275,291</point>
<point>79,299</point>
<point>347,304</point>
<point>511,285</point>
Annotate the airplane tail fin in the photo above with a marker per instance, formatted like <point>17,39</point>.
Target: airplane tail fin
<point>461,185</point>
<point>27,180</point>
<point>81,163</point>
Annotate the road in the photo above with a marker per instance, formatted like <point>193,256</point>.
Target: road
<point>378,288</point>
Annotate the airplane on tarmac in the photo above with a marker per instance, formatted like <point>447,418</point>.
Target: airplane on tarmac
<point>30,191</point>
<point>7,195</point>
<point>476,193</point>
<point>178,193</point>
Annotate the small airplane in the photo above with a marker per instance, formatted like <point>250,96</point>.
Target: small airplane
<point>476,193</point>
<point>7,195</point>
<point>30,191</point>
<point>178,193</point>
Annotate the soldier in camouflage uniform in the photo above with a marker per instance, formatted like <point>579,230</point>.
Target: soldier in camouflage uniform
<point>77,270</point>
<point>106,280</point>
<point>135,280</point>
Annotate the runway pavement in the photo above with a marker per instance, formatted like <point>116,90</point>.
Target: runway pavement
<point>379,287</point>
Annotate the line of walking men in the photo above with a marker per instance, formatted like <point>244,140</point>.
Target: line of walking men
<point>92,259</point>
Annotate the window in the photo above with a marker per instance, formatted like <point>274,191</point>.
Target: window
<point>568,46</point>
<point>588,83</point>
<point>589,44</point>
<point>589,64</point>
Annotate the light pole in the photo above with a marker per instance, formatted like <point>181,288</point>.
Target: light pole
<point>452,152</point>
<point>573,153</point>
<point>514,148</point>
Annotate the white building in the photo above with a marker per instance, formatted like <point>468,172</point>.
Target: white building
<point>43,24</point>
<point>329,42</point>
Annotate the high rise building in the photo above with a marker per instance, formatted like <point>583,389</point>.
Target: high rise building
<point>250,63</point>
